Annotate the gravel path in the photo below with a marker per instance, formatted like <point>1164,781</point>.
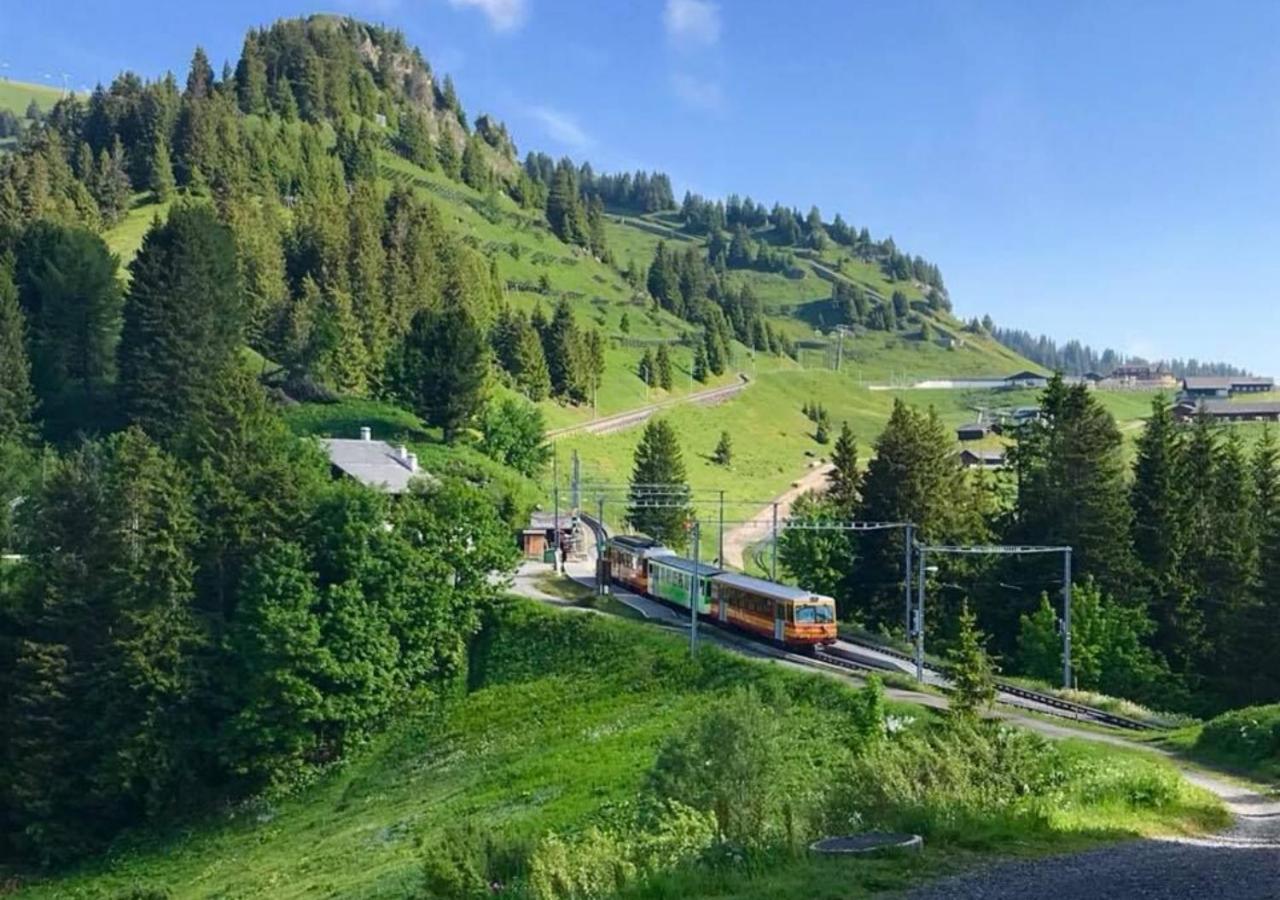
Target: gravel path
<point>1242,863</point>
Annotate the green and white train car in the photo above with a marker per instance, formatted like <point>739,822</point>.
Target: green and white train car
<point>671,579</point>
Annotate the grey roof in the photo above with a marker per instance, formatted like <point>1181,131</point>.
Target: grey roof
<point>682,564</point>
<point>985,455</point>
<point>973,426</point>
<point>767,588</point>
<point>546,521</point>
<point>1223,382</point>
<point>1027,374</point>
<point>374,463</point>
<point>1225,408</point>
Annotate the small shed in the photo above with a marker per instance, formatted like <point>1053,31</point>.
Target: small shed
<point>982,459</point>
<point>538,538</point>
<point>973,431</point>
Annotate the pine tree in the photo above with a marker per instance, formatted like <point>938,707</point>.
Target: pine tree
<point>200,76</point>
<point>444,371</point>
<point>17,402</point>
<point>184,321</point>
<point>973,686</point>
<point>1265,625</point>
<point>844,482</point>
<point>913,476</point>
<point>251,78</point>
<point>1072,489</point>
<point>283,99</point>
<point>624,324</point>
<point>68,283</point>
<point>160,179</point>
<point>658,503</point>
<point>723,454</point>
<point>700,362</point>
<point>447,153</point>
<point>1160,533</point>
<point>662,367</point>
<point>530,363</point>
<point>475,170</point>
<point>822,433</point>
<point>564,350</point>
<point>646,369</point>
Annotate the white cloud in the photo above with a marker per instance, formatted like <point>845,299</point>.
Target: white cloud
<point>562,127</point>
<point>698,92</point>
<point>503,15</point>
<point>692,21</point>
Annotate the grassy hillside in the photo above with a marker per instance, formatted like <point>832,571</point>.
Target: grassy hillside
<point>16,96</point>
<point>563,722</point>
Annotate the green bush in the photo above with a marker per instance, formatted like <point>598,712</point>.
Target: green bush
<point>742,761</point>
<point>955,780</point>
<point>1246,737</point>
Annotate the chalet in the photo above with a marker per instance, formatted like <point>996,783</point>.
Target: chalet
<point>1142,377</point>
<point>1228,411</point>
<point>373,463</point>
<point>982,459</point>
<point>1027,379</point>
<point>1219,387</point>
<point>974,431</point>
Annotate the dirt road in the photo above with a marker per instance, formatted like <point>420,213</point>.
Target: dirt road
<point>758,527</point>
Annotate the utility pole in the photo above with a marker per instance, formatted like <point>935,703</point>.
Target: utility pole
<point>906,576</point>
<point>575,495</point>
<point>773,565</point>
<point>1066,618</point>
<point>693,594</point>
<point>919,623</point>
<point>555,494</point>
<point>602,565</point>
<point>720,547</point>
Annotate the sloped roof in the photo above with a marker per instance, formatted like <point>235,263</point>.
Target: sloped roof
<point>1222,382</point>
<point>373,463</point>
<point>783,592</point>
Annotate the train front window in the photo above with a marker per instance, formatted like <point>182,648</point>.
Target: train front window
<point>815,614</point>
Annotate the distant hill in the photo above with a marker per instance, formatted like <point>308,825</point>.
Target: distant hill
<point>16,96</point>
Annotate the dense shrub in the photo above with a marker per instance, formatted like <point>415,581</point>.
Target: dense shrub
<point>1245,737</point>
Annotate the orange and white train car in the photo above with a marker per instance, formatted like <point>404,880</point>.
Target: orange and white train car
<point>779,612</point>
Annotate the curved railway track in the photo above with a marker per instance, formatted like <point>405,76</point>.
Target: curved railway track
<point>1008,689</point>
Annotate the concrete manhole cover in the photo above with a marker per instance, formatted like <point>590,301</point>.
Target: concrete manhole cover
<point>868,842</point>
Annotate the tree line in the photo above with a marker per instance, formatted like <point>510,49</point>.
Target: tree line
<point>1176,585</point>
<point>1076,358</point>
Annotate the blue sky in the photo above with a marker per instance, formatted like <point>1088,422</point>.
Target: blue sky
<point>1107,171</point>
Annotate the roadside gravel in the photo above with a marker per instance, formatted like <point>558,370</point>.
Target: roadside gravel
<point>1241,863</point>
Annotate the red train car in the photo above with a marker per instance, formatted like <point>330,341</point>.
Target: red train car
<point>628,557</point>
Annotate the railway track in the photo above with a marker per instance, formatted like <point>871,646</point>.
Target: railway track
<point>1008,689</point>
<point>619,421</point>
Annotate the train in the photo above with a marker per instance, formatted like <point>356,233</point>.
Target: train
<point>789,616</point>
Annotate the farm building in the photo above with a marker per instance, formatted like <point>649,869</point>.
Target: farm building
<point>982,459</point>
<point>1227,411</point>
<point>973,431</point>
<point>1215,387</point>
<point>373,463</point>
<point>1027,379</point>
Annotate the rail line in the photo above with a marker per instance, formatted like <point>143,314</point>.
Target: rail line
<point>1079,710</point>
<point>626,419</point>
